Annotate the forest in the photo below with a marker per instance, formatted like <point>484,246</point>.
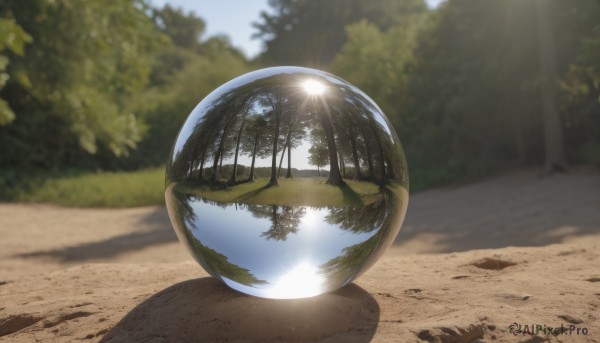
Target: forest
<point>472,87</point>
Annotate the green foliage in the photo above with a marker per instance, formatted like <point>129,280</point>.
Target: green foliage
<point>166,106</point>
<point>219,264</point>
<point>183,29</point>
<point>86,60</point>
<point>318,154</point>
<point>106,189</point>
<point>311,33</point>
<point>378,62</point>
<point>13,38</point>
<point>104,85</point>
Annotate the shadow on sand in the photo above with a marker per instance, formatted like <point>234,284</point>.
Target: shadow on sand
<point>154,229</point>
<point>207,310</point>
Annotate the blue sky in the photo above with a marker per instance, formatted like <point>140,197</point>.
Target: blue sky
<point>233,18</point>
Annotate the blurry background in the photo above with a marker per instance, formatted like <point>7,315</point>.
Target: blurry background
<point>93,92</point>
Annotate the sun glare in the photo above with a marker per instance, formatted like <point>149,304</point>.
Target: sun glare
<point>313,87</point>
<point>301,282</point>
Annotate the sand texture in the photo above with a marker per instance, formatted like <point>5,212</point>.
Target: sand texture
<point>469,262</point>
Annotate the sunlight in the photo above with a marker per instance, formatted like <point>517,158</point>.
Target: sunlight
<point>313,87</point>
<point>301,282</point>
<point>311,219</point>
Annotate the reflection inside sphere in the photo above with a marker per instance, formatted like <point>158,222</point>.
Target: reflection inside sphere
<point>286,182</point>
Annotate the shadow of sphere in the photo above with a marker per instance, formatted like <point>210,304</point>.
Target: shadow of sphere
<point>207,310</point>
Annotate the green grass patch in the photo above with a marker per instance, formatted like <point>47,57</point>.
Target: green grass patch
<point>290,192</point>
<point>104,189</point>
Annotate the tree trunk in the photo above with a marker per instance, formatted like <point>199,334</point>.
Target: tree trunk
<point>215,167</point>
<point>232,179</point>
<point>341,159</point>
<point>277,115</point>
<point>335,178</point>
<point>357,173</point>
<point>251,177</point>
<point>286,145</point>
<point>288,175</point>
<point>273,180</point>
<point>381,165</point>
<point>200,176</point>
<point>368,150</point>
<point>553,136</point>
<point>281,159</point>
<point>221,164</point>
<point>190,169</point>
<point>369,160</point>
<point>218,155</point>
<point>390,172</point>
<point>380,151</point>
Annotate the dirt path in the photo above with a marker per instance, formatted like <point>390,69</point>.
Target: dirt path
<point>516,209</point>
<point>41,238</point>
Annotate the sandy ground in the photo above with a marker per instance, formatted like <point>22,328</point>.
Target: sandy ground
<point>469,262</point>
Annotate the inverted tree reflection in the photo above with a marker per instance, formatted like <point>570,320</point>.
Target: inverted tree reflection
<point>210,259</point>
<point>360,219</point>
<point>284,219</point>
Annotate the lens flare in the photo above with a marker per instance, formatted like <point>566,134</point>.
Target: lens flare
<point>313,87</point>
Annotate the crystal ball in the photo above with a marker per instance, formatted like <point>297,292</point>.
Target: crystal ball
<point>286,182</point>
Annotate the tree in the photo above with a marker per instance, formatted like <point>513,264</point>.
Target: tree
<point>296,122</point>
<point>318,155</point>
<point>360,219</point>
<point>184,29</point>
<point>377,61</point>
<point>232,179</point>
<point>284,219</point>
<point>276,101</point>
<point>254,141</point>
<point>325,118</point>
<point>311,33</point>
<point>346,265</point>
<point>232,110</point>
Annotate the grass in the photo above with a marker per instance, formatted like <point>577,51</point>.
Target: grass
<point>104,189</point>
<point>146,187</point>
<point>290,192</point>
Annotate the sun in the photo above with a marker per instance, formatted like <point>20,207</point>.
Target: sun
<point>313,87</point>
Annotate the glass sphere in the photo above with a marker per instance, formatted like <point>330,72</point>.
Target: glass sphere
<point>286,182</point>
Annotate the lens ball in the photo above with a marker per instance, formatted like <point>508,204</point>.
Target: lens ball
<point>286,182</point>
